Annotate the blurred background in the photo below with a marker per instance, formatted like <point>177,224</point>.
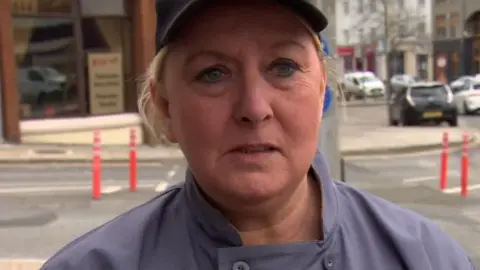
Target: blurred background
<point>409,71</point>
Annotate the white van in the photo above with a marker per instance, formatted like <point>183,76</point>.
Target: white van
<point>362,85</point>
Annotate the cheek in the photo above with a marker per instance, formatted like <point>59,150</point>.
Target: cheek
<point>198,122</point>
<point>300,113</point>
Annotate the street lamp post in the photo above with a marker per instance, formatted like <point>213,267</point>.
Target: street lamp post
<point>386,49</point>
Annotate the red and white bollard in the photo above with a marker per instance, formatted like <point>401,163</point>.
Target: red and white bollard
<point>465,166</point>
<point>133,160</point>
<point>444,162</point>
<point>96,166</point>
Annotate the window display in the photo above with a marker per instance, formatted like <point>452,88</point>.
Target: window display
<point>46,74</point>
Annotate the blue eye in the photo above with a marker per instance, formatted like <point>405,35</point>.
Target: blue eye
<point>211,75</point>
<point>284,67</point>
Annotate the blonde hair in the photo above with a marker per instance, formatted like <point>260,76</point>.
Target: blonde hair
<point>153,119</point>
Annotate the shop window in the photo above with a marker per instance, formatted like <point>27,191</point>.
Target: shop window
<point>422,66</point>
<point>104,38</point>
<point>440,26</point>
<point>35,7</point>
<point>46,74</point>
<point>103,7</point>
<point>348,63</point>
<point>454,22</point>
<point>455,63</point>
<point>476,55</point>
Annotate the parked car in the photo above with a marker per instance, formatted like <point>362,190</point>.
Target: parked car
<point>401,80</point>
<point>462,82</point>
<point>37,82</point>
<point>467,97</point>
<point>423,102</point>
<point>360,85</point>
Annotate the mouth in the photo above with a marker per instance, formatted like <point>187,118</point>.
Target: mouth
<point>255,149</point>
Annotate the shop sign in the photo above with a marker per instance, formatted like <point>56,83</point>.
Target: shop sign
<point>345,51</point>
<point>41,6</point>
<point>106,84</point>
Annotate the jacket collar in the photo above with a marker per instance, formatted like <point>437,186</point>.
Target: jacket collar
<point>216,226</point>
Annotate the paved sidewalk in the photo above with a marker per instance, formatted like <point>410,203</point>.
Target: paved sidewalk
<point>59,153</point>
<point>371,140</point>
<point>364,103</point>
<point>355,140</point>
<point>19,264</point>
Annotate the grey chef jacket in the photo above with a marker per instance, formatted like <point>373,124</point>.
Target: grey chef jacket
<point>180,230</point>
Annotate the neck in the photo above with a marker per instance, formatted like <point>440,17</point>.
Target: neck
<point>297,218</point>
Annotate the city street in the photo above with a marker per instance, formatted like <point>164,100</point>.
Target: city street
<point>37,178</point>
<point>376,115</point>
<point>413,182</point>
<point>472,121</point>
<point>61,192</point>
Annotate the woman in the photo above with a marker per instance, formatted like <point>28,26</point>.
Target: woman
<point>239,85</point>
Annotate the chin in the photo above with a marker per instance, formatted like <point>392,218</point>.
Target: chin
<point>254,187</point>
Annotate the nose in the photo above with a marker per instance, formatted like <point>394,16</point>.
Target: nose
<point>253,106</point>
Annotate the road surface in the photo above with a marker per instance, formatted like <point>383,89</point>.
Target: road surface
<point>378,116</point>
<point>413,182</point>
<point>77,177</point>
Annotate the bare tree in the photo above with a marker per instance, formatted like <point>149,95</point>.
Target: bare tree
<point>393,25</point>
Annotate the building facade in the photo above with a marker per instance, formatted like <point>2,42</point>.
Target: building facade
<point>70,66</point>
<point>456,38</point>
<point>328,7</point>
<point>367,29</point>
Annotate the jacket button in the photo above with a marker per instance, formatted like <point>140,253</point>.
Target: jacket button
<point>240,265</point>
<point>328,263</point>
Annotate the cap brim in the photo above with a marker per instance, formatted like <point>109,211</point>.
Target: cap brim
<point>308,11</point>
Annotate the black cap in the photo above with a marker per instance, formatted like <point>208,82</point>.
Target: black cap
<point>171,14</point>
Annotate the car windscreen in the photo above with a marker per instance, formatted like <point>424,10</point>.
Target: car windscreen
<point>49,72</point>
<point>429,91</point>
<point>367,79</point>
<point>405,78</point>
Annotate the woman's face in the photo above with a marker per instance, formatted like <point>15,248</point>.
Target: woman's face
<point>244,95</point>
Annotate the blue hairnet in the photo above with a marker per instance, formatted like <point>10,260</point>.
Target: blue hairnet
<point>327,101</point>
<point>325,48</point>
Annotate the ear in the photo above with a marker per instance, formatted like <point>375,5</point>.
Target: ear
<point>162,105</point>
<point>324,77</point>
<point>323,87</point>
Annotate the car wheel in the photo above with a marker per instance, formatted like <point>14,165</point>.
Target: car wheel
<point>393,122</point>
<point>402,121</point>
<point>453,122</point>
<point>466,111</point>
<point>405,121</point>
<point>41,98</point>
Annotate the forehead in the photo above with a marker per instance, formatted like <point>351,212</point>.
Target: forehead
<point>251,20</point>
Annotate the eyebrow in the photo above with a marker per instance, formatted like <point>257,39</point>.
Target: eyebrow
<point>203,53</point>
<point>288,43</point>
<point>215,54</point>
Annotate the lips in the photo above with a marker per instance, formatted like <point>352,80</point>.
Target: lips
<point>255,148</point>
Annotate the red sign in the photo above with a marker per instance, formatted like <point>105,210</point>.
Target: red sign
<point>109,60</point>
<point>346,51</point>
